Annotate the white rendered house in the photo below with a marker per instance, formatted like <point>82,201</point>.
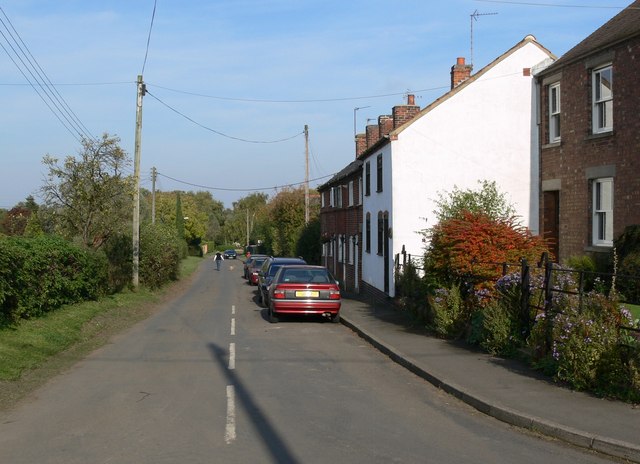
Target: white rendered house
<point>484,128</point>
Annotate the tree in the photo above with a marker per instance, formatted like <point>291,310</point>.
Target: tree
<point>286,221</point>
<point>487,200</point>
<point>89,196</point>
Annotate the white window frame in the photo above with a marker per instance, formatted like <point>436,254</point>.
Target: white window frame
<point>602,206</point>
<point>602,98</point>
<point>360,191</point>
<point>322,201</point>
<point>352,250</point>
<point>351,199</point>
<point>340,248</point>
<point>554,113</point>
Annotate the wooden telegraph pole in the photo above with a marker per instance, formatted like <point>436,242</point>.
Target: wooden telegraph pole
<point>306,174</point>
<point>136,190</point>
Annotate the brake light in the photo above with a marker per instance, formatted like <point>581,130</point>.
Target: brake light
<point>334,293</point>
<point>278,294</point>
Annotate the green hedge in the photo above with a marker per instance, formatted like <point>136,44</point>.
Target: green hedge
<point>40,274</point>
<point>160,253</point>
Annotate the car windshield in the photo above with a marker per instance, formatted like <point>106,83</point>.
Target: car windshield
<point>257,262</point>
<point>316,276</point>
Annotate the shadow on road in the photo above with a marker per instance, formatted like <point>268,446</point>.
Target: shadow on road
<point>271,438</point>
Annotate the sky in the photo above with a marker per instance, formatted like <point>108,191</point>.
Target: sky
<point>231,84</point>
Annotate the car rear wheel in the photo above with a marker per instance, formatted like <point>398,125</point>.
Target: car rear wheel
<point>272,317</point>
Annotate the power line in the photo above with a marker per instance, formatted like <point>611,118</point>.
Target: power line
<point>218,132</point>
<point>317,100</point>
<point>242,189</point>
<point>558,5</point>
<point>153,15</point>
<point>41,79</point>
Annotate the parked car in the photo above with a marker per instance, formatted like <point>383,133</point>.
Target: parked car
<point>266,273</point>
<point>254,268</point>
<point>230,254</point>
<point>304,290</point>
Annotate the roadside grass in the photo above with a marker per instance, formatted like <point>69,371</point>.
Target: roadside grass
<point>34,350</point>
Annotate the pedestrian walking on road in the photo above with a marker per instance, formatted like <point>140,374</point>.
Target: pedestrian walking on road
<point>218,259</point>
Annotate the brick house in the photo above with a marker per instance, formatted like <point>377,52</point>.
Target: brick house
<point>590,139</point>
<point>341,225</point>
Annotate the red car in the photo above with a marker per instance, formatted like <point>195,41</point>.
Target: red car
<point>254,268</point>
<point>305,290</point>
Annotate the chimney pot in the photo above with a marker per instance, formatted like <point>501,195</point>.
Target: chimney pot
<point>411,99</point>
<point>460,61</point>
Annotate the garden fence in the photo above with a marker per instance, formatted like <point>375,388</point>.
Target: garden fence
<point>549,283</point>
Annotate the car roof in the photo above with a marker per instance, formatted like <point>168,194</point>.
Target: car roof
<point>288,260</point>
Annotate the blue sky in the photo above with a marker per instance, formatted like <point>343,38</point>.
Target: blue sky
<point>248,69</point>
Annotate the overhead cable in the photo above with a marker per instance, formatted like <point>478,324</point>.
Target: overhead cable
<point>146,53</point>
<point>317,100</point>
<point>218,132</point>
<point>62,109</point>
<point>242,189</point>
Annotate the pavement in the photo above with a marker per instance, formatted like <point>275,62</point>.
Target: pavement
<point>507,390</point>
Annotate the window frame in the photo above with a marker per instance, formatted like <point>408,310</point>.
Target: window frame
<point>367,178</point>
<point>554,113</point>
<point>367,231</point>
<point>602,214</point>
<point>351,200</point>
<point>379,178</point>
<point>602,106</point>
<point>380,233</point>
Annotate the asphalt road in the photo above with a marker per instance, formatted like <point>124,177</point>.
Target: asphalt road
<point>208,380</point>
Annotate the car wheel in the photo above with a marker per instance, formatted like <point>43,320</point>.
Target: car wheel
<point>335,318</point>
<point>272,317</point>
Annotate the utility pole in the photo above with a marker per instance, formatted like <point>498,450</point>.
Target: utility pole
<point>153,195</point>
<point>136,180</point>
<point>306,174</point>
<point>247,228</point>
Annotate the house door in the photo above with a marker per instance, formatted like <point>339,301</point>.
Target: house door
<point>385,253</point>
<point>551,221</point>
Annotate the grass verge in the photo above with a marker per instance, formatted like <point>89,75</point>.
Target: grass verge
<point>35,350</point>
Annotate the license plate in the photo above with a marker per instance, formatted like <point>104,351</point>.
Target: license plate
<point>307,294</point>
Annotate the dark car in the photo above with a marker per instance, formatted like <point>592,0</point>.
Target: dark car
<point>268,270</point>
<point>254,268</point>
<point>304,290</point>
<point>230,254</point>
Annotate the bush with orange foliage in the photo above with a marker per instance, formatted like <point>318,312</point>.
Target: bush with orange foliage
<point>470,243</point>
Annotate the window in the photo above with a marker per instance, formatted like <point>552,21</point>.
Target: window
<point>337,196</point>
<point>367,178</point>
<point>360,190</point>
<point>322,202</point>
<point>351,196</point>
<point>380,232</point>
<point>554,113</point>
<point>603,212</point>
<point>341,248</point>
<point>379,173</point>
<point>603,100</point>
<point>367,228</point>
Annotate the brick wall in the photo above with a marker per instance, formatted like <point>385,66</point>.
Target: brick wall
<point>581,152</point>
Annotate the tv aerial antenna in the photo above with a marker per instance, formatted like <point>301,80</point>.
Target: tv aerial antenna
<point>474,17</point>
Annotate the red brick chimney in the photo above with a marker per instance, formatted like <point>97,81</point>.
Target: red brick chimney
<point>404,113</point>
<point>385,124</point>
<point>460,72</point>
<point>361,144</point>
<point>373,134</point>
